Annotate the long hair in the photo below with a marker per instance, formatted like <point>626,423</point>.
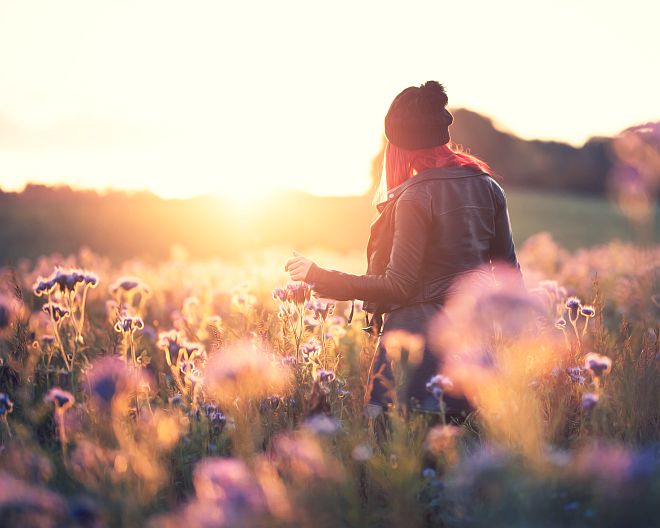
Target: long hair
<point>401,164</point>
<point>398,165</point>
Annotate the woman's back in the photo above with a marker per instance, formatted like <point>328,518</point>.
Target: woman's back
<point>466,226</point>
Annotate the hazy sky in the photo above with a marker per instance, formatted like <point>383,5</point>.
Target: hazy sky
<point>185,97</point>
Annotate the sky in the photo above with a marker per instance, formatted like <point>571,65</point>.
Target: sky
<point>237,98</point>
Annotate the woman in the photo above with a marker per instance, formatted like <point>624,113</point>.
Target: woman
<point>443,217</point>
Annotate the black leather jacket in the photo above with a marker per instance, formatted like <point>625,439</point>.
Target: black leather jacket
<point>435,226</point>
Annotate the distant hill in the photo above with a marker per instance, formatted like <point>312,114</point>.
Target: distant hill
<point>535,164</point>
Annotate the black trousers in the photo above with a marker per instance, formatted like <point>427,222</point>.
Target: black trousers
<point>415,319</point>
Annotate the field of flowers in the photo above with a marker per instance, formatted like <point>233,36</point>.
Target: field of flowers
<point>201,393</point>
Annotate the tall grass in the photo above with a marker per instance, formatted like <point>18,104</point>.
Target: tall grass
<point>199,393</point>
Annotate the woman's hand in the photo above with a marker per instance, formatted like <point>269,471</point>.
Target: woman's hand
<point>298,267</point>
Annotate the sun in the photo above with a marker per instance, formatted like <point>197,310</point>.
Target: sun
<point>244,193</point>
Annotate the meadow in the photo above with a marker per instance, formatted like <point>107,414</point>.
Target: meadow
<point>122,226</point>
<point>207,392</point>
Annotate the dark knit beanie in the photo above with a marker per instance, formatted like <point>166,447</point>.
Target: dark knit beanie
<point>418,119</point>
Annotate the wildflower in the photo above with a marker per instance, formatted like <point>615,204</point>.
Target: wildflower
<point>228,482</point>
<point>576,374</point>
<point>597,364</point>
<point>43,287</point>
<point>325,376</point>
<point>589,400</point>
<point>438,384</point>
<point>6,405</point>
<point>270,404</point>
<point>217,420</point>
<point>67,281</point>
<point>60,398</point>
<point>322,424</point>
<point>128,324</point>
<point>170,343</point>
<point>428,473</point>
<point>310,351</point>
<point>280,294</point>
<point>588,311</point>
<point>56,311</point>
<point>560,323</point>
<point>128,284</point>
<point>108,377</point>
<point>321,310</point>
<point>573,304</point>
<point>90,279</point>
<point>289,361</point>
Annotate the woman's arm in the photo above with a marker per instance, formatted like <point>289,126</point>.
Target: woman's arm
<point>397,285</point>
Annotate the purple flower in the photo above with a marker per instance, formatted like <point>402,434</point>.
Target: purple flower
<point>321,310</point>
<point>588,311</point>
<point>280,294</point>
<point>56,311</point>
<point>589,401</point>
<point>597,364</point>
<point>6,405</point>
<point>60,398</point>
<point>573,305</point>
<point>325,376</point>
<point>109,376</point>
<point>438,384</point>
<point>310,350</point>
<point>289,361</point>
<point>228,481</point>
<point>576,374</point>
<point>128,324</point>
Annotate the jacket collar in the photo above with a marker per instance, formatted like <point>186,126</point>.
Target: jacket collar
<point>444,173</point>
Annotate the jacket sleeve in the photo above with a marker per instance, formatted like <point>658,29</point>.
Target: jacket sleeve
<point>398,284</point>
<point>502,248</point>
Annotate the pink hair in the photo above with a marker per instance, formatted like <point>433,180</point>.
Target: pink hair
<point>401,164</point>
